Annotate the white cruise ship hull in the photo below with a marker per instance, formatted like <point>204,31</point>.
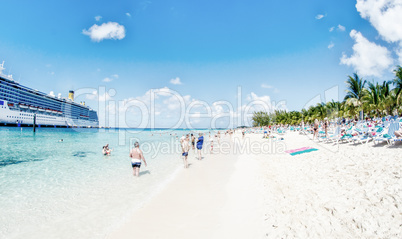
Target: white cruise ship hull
<point>25,117</point>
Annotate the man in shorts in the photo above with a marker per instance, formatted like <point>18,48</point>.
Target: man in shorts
<point>136,156</point>
<point>185,146</point>
<point>193,141</point>
<point>200,141</point>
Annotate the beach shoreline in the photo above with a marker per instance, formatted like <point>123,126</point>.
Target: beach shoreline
<point>207,200</point>
<point>340,190</point>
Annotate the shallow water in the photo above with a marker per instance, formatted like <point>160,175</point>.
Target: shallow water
<point>69,189</point>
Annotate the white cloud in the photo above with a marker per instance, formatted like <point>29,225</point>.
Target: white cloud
<point>341,28</point>
<point>368,58</point>
<point>110,30</point>
<point>331,45</point>
<point>331,29</point>
<point>95,96</point>
<point>98,18</point>
<point>319,16</point>
<point>170,109</point>
<point>266,86</point>
<point>165,91</point>
<point>128,14</point>
<point>399,53</point>
<point>111,78</point>
<point>175,81</point>
<point>384,15</point>
<point>258,103</point>
<point>254,97</point>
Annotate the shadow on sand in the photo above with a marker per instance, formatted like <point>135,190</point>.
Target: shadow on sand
<point>144,172</point>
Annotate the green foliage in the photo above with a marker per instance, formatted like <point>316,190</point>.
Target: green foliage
<point>373,98</point>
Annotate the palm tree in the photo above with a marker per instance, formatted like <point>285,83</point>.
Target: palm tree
<point>332,109</point>
<point>355,91</point>
<point>398,83</point>
<point>372,98</point>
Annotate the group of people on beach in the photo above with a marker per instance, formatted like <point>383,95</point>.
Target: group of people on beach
<point>185,146</point>
<point>346,129</point>
<point>137,156</point>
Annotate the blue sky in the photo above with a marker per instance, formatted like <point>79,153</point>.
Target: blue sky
<point>289,51</point>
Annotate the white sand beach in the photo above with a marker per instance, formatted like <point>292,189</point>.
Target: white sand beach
<point>339,191</point>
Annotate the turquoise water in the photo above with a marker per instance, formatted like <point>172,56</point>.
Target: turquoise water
<point>69,189</point>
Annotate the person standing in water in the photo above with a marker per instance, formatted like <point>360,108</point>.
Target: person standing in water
<point>200,141</point>
<point>136,156</point>
<point>185,146</point>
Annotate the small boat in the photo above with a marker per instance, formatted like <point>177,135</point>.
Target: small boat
<point>33,108</point>
<point>23,106</point>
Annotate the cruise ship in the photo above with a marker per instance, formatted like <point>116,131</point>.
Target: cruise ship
<point>22,106</point>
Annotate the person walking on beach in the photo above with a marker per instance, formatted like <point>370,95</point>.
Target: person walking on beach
<point>326,125</point>
<point>212,144</point>
<point>136,156</point>
<point>315,129</point>
<point>185,146</point>
<point>193,141</point>
<point>200,141</point>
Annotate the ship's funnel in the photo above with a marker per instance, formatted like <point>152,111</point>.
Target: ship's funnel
<point>71,95</point>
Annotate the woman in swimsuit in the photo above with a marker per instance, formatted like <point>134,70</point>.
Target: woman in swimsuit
<point>315,133</point>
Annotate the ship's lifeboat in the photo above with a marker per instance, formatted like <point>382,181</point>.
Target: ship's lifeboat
<point>41,109</point>
<point>49,110</point>
<point>33,108</point>
<point>23,106</point>
<point>59,112</point>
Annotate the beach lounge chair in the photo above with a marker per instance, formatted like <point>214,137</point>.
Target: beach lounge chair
<point>281,131</point>
<point>386,136</point>
<point>334,137</point>
<point>347,136</point>
<point>363,136</point>
<point>395,127</point>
